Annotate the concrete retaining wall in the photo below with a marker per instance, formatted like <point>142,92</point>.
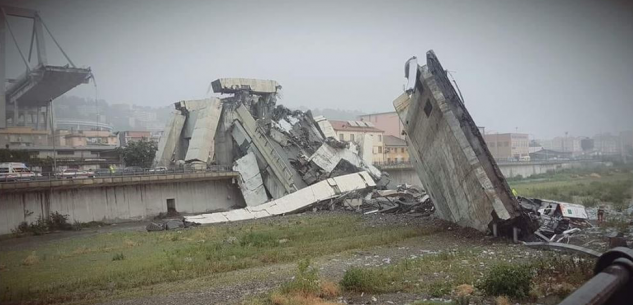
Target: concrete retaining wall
<point>117,203</point>
<point>400,174</point>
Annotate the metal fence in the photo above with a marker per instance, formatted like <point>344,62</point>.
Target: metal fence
<point>105,173</point>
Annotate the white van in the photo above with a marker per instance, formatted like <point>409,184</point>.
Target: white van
<point>15,171</point>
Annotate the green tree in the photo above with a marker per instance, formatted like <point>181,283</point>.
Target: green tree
<point>15,155</point>
<point>139,153</point>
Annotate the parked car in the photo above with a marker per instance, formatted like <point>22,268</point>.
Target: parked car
<point>133,170</point>
<point>16,171</point>
<point>103,172</point>
<point>73,173</point>
<point>158,170</point>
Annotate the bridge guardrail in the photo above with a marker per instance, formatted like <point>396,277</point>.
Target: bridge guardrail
<point>120,173</point>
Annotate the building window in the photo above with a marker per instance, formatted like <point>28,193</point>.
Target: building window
<point>380,149</point>
<point>379,138</point>
<point>341,137</point>
<point>402,150</point>
<point>351,137</point>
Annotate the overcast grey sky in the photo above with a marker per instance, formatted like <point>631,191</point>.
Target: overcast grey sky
<point>542,67</point>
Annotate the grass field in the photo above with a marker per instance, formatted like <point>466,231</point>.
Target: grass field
<point>613,186</point>
<point>84,268</point>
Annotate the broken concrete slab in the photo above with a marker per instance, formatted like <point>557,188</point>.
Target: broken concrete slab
<point>251,183</point>
<point>326,128</point>
<point>449,153</point>
<point>201,144</point>
<point>297,201</point>
<point>169,140</point>
<point>233,85</point>
<point>328,157</point>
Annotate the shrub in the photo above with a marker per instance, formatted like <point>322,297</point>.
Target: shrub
<point>118,257</point>
<point>506,279</point>
<point>54,222</point>
<point>306,280</point>
<point>359,280</point>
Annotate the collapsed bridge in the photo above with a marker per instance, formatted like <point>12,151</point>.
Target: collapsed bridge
<point>287,159</point>
<point>450,156</point>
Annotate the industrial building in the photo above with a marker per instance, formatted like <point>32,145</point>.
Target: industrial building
<point>396,150</point>
<point>508,146</point>
<point>385,121</point>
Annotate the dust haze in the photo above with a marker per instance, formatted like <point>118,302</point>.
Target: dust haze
<point>536,67</point>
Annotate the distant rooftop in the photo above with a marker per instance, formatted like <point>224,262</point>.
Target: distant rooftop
<point>354,126</point>
<point>394,141</point>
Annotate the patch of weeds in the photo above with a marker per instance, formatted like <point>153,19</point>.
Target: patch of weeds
<point>427,302</point>
<point>258,240</point>
<point>561,275</point>
<point>439,289</point>
<point>502,300</point>
<point>118,257</point>
<point>55,222</point>
<point>619,224</point>
<point>589,202</point>
<point>360,280</point>
<point>506,279</point>
<point>463,294</point>
<point>31,260</point>
<point>306,288</point>
<point>306,280</point>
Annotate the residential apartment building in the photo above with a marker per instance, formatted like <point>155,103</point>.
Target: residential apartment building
<point>607,144</point>
<point>627,140</point>
<point>389,122</point>
<point>125,137</point>
<point>23,137</point>
<point>564,144</point>
<point>396,150</point>
<point>355,131</point>
<point>508,146</point>
<point>83,138</point>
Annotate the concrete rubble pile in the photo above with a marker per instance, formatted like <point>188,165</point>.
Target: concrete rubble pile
<point>404,199</point>
<point>450,156</point>
<point>558,221</point>
<point>281,154</point>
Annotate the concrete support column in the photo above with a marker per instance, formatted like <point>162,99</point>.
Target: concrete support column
<point>38,112</point>
<point>16,114</point>
<point>3,52</point>
<point>47,120</point>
